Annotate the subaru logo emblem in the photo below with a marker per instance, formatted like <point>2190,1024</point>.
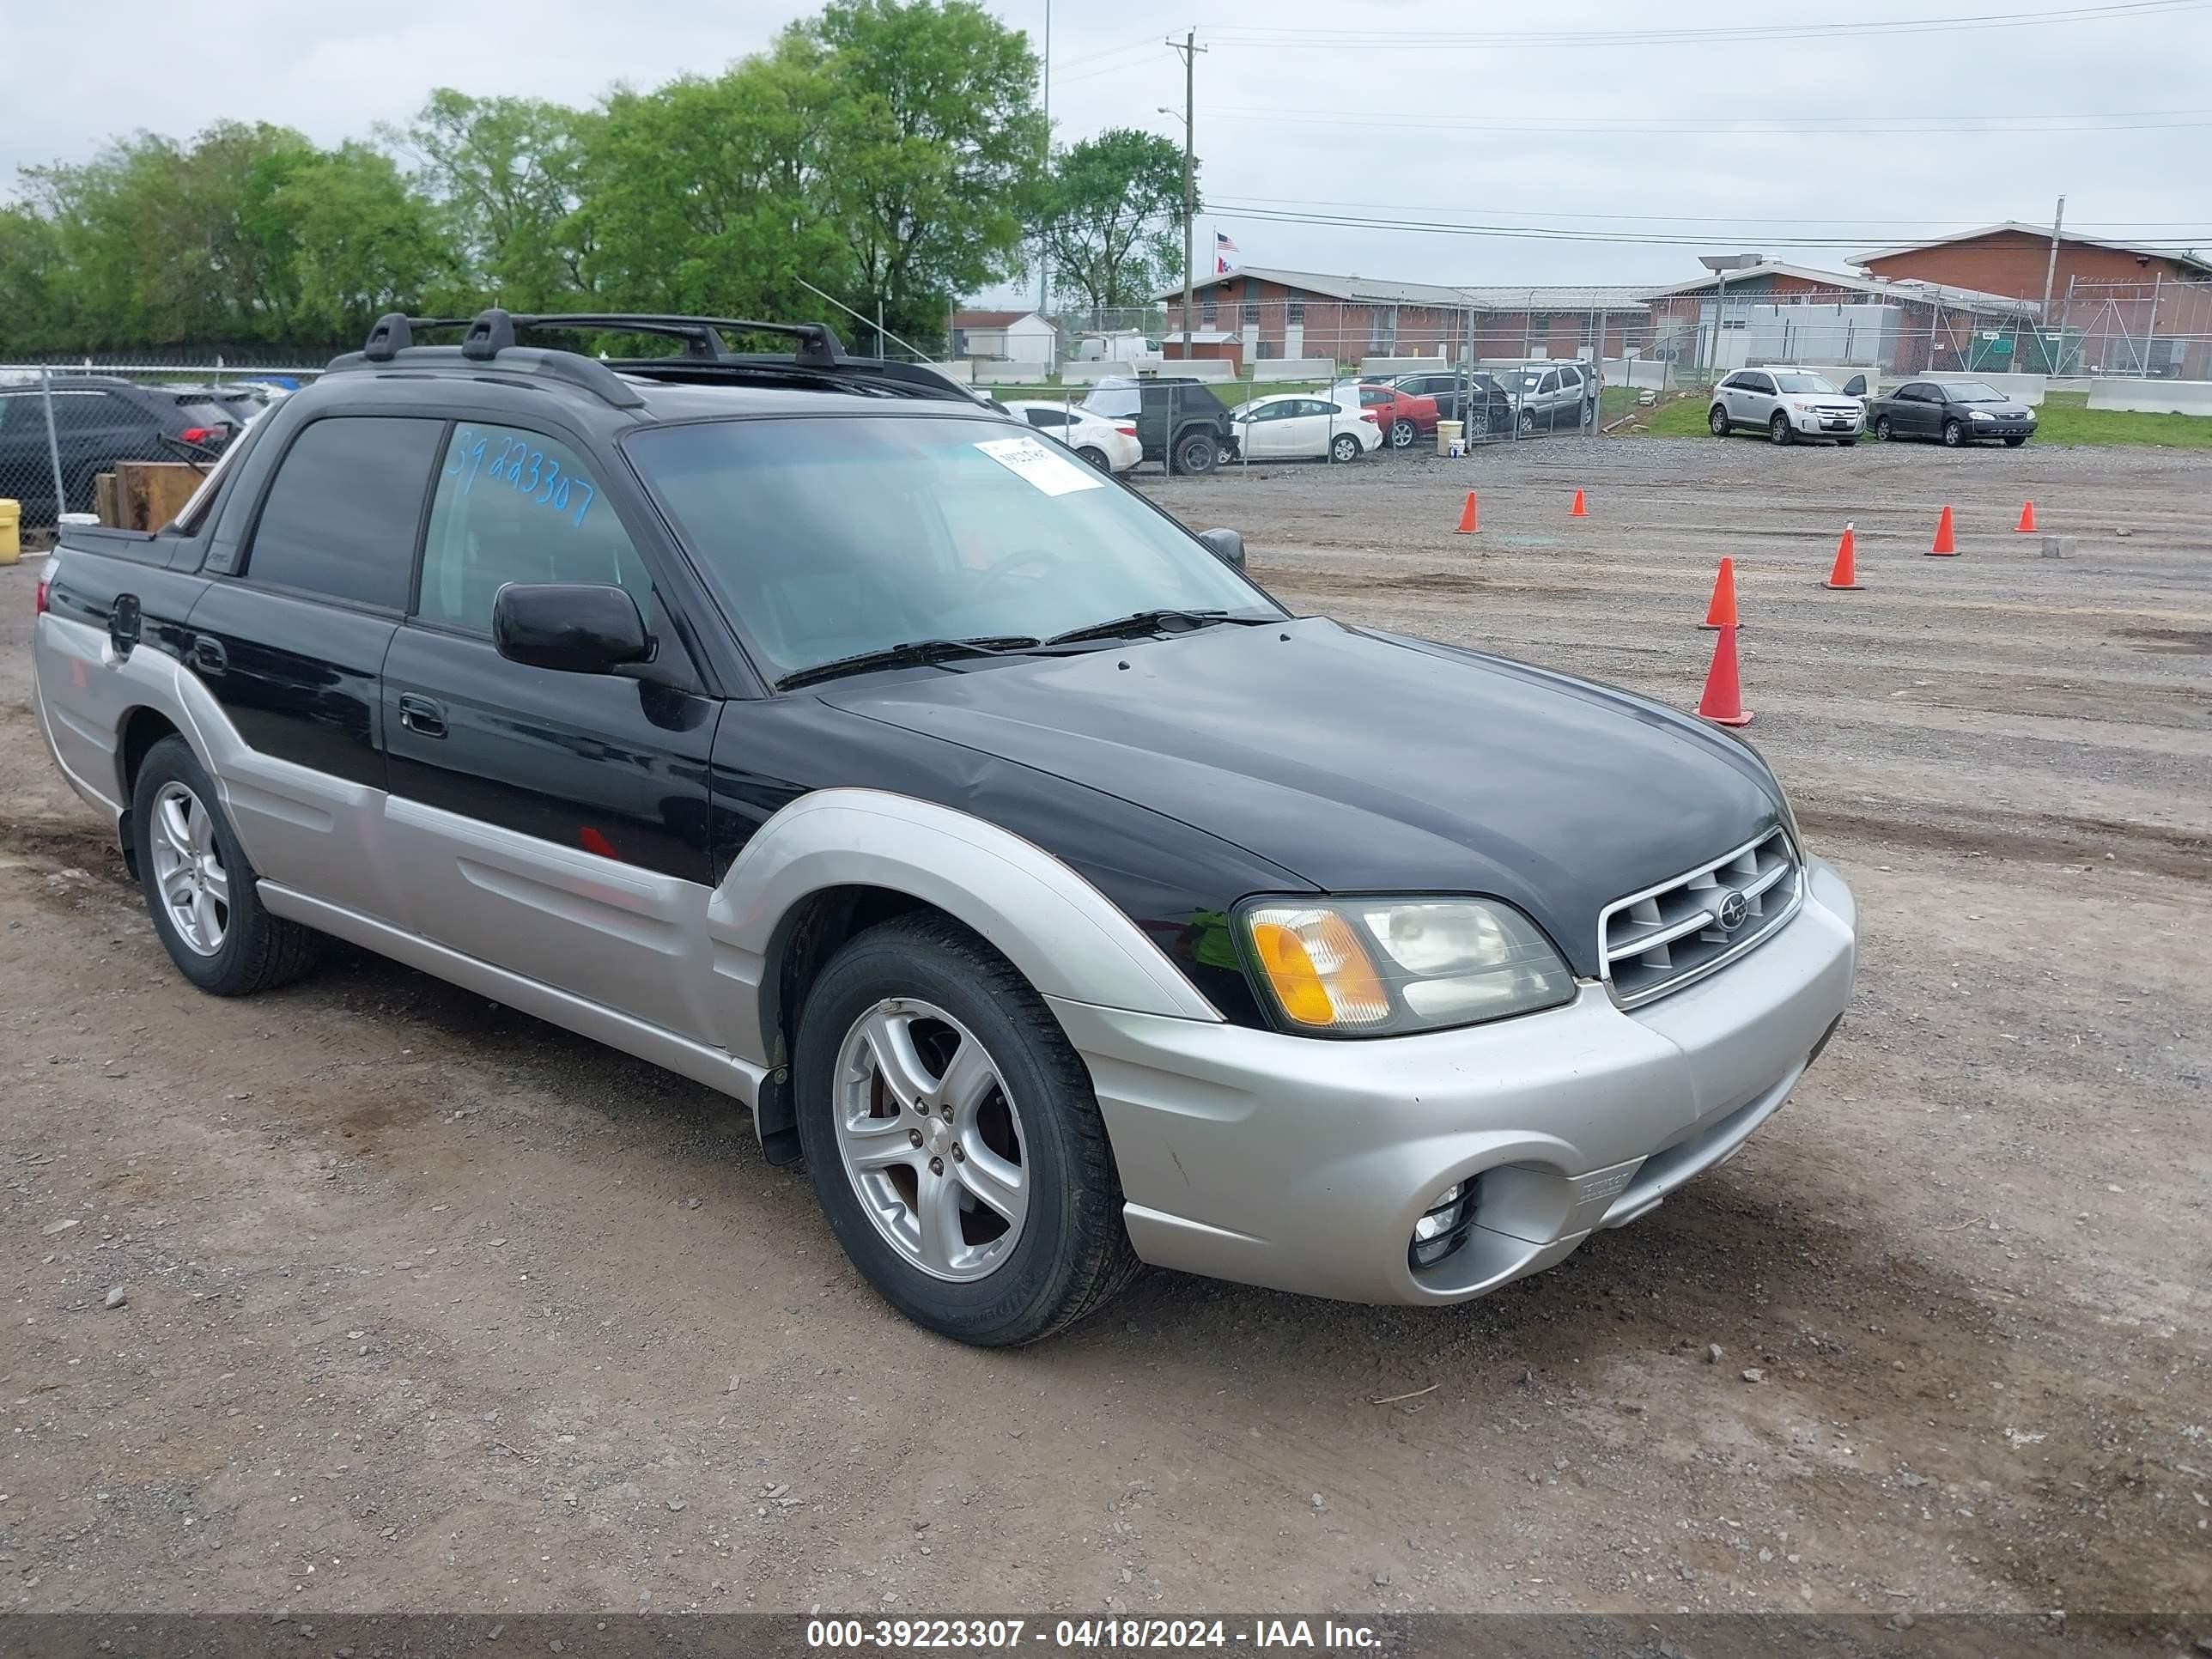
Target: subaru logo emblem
<point>1731,911</point>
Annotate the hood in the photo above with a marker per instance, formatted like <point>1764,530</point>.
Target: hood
<point>1366,762</point>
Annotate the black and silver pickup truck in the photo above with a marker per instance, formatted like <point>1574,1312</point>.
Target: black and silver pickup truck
<point>1064,902</point>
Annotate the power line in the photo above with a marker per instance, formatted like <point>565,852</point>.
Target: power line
<point>1339,40</point>
<point>1718,127</point>
<point>1559,233</point>
<point>2191,226</point>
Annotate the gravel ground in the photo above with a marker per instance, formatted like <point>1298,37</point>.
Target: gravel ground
<point>426,1305</point>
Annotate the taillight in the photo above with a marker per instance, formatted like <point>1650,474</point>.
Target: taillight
<point>39,602</point>
<point>1371,418</point>
<point>1126,431</point>
<point>201,434</point>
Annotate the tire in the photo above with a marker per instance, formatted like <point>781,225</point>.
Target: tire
<point>2014,443</point>
<point>1402,433</point>
<point>1716,418</point>
<point>1954,435</point>
<point>1196,453</point>
<point>1095,457</point>
<point>1478,423</point>
<point>1344,448</point>
<point>930,980</point>
<point>1528,422</point>
<point>1778,430</point>
<point>1882,429</point>
<point>219,936</point>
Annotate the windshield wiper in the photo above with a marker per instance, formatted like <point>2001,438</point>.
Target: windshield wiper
<point>910,654</point>
<point>1139,623</point>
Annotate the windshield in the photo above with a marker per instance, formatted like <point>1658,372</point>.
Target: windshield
<point>830,537</point>
<point>1971,392</point>
<point>1803,383</point>
<point>1115,402</point>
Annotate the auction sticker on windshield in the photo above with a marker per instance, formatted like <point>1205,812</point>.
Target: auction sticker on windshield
<point>1027,457</point>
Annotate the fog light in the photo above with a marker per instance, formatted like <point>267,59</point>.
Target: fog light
<point>1442,1228</point>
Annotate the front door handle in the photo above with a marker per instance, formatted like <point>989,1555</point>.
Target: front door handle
<point>422,716</point>
<point>209,656</point>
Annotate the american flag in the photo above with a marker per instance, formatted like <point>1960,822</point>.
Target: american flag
<point>1222,248</point>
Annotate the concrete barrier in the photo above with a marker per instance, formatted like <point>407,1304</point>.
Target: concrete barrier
<point>988,373</point>
<point>2152,397</point>
<point>1089,372</point>
<point>962,369</point>
<point>1292,368</point>
<point>1651,373</point>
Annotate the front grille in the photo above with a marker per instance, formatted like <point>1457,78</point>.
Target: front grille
<point>1658,940</point>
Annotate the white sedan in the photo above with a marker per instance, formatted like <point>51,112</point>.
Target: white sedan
<point>1109,445</point>
<point>1296,426</point>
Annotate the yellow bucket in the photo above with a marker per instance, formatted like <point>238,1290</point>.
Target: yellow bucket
<point>1448,434</point>
<point>11,531</point>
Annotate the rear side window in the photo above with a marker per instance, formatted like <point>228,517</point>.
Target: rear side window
<point>514,506</point>
<point>341,517</point>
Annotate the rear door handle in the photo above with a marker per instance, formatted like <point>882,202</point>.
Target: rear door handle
<point>209,656</point>
<point>421,716</point>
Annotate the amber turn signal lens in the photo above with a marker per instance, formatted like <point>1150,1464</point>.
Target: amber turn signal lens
<point>1313,963</point>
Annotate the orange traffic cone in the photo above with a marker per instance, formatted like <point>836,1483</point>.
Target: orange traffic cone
<point>1846,573</point>
<point>1721,613</point>
<point>1723,703</point>
<point>1578,511</point>
<point>2026,525</point>
<point>1944,545</point>
<point>1467,523</point>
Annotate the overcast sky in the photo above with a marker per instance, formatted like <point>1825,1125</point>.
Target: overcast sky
<point>1383,108</point>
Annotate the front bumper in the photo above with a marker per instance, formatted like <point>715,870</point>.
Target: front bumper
<point>1302,1164</point>
<point>1828,423</point>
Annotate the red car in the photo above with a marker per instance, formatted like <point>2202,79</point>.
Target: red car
<point>1405,417</point>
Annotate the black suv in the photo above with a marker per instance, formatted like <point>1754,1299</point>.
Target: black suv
<point>99,421</point>
<point>803,726</point>
<point>1182,425</point>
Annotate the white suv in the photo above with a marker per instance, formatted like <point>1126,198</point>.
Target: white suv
<point>1788,403</point>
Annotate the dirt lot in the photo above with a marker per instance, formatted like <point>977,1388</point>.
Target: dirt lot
<point>430,1306</point>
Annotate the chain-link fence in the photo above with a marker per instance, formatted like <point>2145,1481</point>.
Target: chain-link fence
<point>63,426</point>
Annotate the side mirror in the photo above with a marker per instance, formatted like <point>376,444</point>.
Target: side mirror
<point>1228,546</point>
<point>578,628</point>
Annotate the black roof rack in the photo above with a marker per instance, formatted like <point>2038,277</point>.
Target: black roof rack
<point>490,339</point>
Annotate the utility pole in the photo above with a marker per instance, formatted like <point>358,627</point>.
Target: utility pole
<point>1189,48</point>
<point>1044,266</point>
<point>2051,274</point>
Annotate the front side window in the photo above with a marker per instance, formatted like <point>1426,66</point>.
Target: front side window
<point>516,505</point>
<point>827,537</point>
<point>1758,383</point>
<point>341,518</point>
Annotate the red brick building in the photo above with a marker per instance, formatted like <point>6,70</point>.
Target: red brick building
<point>1262,314</point>
<point>1775,312</point>
<point>2133,310</point>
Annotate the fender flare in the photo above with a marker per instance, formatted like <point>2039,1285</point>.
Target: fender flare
<point>1067,938</point>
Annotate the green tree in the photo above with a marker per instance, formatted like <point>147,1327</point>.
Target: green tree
<point>1112,218</point>
<point>701,192</point>
<point>931,151</point>
<point>507,176</point>
<point>362,243</point>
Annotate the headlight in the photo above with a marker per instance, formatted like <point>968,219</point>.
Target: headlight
<point>1979,415</point>
<point>1368,967</point>
<point>2031,418</point>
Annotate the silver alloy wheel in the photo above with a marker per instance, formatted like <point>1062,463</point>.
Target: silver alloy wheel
<point>1402,436</point>
<point>188,871</point>
<point>931,1139</point>
<point>1344,447</point>
<point>1477,424</point>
